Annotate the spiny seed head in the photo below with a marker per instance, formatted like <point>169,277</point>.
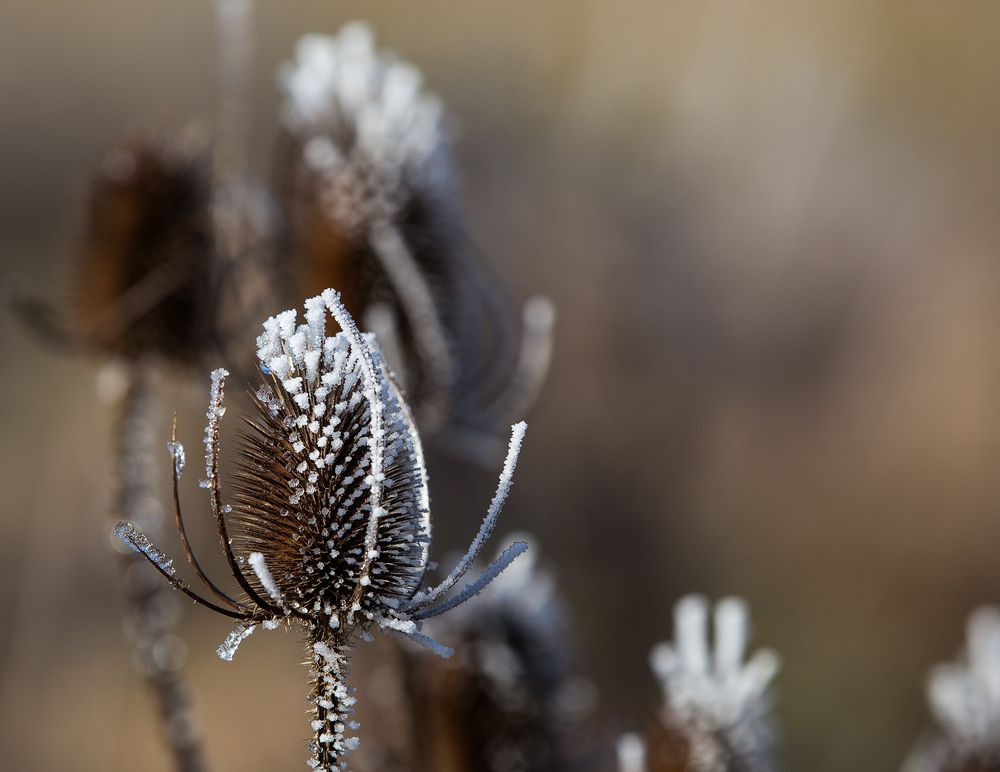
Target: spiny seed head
<point>364,172</point>
<point>330,488</point>
<point>363,126</point>
<point>145,282</point>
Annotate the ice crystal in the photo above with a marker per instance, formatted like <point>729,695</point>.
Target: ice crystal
<point>135,539</point>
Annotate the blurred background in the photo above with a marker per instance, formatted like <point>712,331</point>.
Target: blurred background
<point>770,232</point>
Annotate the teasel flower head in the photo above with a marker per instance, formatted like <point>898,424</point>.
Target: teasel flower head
<point>150,281</point>
<point>145,251</point>
<point>329,528</point>
<point>964,697</point>
<point>365,170</point>
<point>715,713</point>
<point>510,698</point>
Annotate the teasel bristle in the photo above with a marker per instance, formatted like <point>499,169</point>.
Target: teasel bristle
<point>964,697</point>
<point>329,528</point>
<point>715,715</point>
<point>510,698</point>
<point>365,172</point>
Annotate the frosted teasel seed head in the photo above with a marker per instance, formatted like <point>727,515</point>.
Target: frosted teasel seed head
<point>368,127</point>
<point>365,172</point>
<point>964,698</point>
<point>715,712</point>
<point>329,529</point>
<point>511,697</point>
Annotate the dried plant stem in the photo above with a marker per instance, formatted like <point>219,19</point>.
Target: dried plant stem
<point>235,31</point>
<point>332,706</point>
<point>158,654</point>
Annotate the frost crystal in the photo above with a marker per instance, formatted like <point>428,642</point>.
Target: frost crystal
<point>135,539</point>
<point>227,649</point>
<point>176,451</point>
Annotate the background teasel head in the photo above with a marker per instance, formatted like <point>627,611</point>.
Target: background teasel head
<point>330,525</point>
<point>510,698</point>
<point>964,697</point>
<point>150,280</point>
<point>365,172</point>
<point>715,712</point>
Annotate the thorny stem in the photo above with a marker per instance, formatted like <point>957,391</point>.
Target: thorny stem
<point>332,706</point>
<point>147,598</point>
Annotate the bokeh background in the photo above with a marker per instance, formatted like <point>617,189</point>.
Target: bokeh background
<point>771,233</point>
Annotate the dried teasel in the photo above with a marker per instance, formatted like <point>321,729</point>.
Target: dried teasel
<point>715,713</point>
<point>964,697</point>
<point>365,172</point>
<point>151,280</point>
<point>329,529</point>
<point>510,698</point>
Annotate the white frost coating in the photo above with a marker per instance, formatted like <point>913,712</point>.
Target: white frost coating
<point>427,597</point>
<point>373,388</point>
<point>964,696</point>
<point>369,125</point>
<point>227,649</point>
<point>631,752</point>
<point>259,566</point>
<point>176,451</point>
<point>215,412</point>
<point>136,540</point>
<point>492,572</point>
<point>708,691</point>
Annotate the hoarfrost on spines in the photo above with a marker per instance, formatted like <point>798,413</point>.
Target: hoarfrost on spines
<point>427,597</point>
<point>259,566</point>
<point>136,539</point>
<point>370,123</point>
<point>215,412</point>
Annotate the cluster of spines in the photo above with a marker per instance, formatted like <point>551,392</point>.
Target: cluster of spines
<point>350,492</point>
<point>369,129</point>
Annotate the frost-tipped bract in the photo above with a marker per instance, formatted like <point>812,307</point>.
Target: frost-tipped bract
<point>329,527</point>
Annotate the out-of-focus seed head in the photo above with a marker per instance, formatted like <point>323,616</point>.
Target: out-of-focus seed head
<point>964,697</point>
<point>715,715</point>
<point>365,175</point>
<point>510,698</point>
<point>146,278</point>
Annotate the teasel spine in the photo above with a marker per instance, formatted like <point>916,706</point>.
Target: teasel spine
<point>156,650</point>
